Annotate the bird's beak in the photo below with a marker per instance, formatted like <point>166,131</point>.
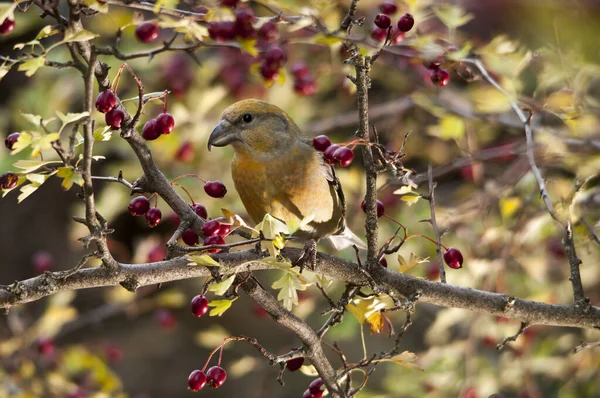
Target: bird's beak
<point>222,135</point>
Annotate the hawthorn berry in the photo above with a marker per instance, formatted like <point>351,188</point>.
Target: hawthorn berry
<point>305,86</point>
<point>343,156</point>
<point>382,21</point>
<point>224,230</point>
<point>294,364</point>
<point>383,261</point>
<point>211,228</point>
<point>299,70</point>
<point>190,238</point>
<point>7,26</point>
<point>268,32</point>
<point>216,376</point>
<point>229,3</point>
<point>274,57</point>
<point>321,143</point>
<point>9,180</point>
<point>432,272</point>
<point>10,140</point>
<point>395,35</point>
<point>196,380</point>
<point>406,22</point>
<point>114,118</point>
<point>328,153</point>
<point>165,318</point>
<point>378,34</point>
<point>200,210</point>
<point>199,305</point>
<point>150,132</point>
<point>153,216</point>
<point>214,240</point>
<point>453,258</point>
<point>44,345</point>
<point>315,386</point>
<point>222,30</point>
<point>380,208</point>
<point>185,153</point>
<point>243,23</point>
<point>165,123</point>
<point>42,261</point>
<point>268,72</point>
<point>156,254</point>
<point>244,15</point>
<point>113,353</point>
<point>215,189</point>
<point>106,101</point>
<point>440,77</point>
<point>388,7</point>
<point>147,32</point>
<point>139,206</point>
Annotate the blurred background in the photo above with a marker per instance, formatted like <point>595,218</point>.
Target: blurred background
<point>109,342</point>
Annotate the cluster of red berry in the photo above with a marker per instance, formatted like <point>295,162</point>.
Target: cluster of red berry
<point>333,154</point>
<point>383,22</point>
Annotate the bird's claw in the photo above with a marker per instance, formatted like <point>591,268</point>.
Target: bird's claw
<point>309,255</point>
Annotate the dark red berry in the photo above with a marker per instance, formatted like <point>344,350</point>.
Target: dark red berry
<point>294,364</point>
<point>185,153</point>
<point>42,261</point>
<point>229,3</point>
<point>9,180</point>
<point>113,353</point>
<point>343,156</point>
<point>274,57</point>
<point>156,254</point>
<point>214,240</point>
<point>9,142</point>
<point>268,72</point>
<point>305,86</point>
<point>433,64</point>
<point>139,206</point>
<point>199,305</point>
<point>382,21</point>
<point>165,123</point>
<point>380,208</point>
<point>328,153</point>
<point>149,131</point>
<point>388,7</point>
<point>243,24</point>
<point>196,380</point>
<point>244,15</point>
<point>200,210</point>
<point>224,230</point>
<point>307,394</point>
<point>216,376</point>
<point>299,70</point>
<point>440,77</point>
<point>406,22</point>
<point>214,30</point>
<point>165,318</point>
<point>432,271</point>
<point>268,32</point>
<point>190,238</point>
<point>321,143</point>
<point>215,189</point>
<point>222,30</point>
<point>453,258</point>
<point>153,216</point>
<point>44,346</point>
<point>7,26</point>
<point>114,118</point>
<point>378,34</point>
<point>106,101</point>
<point>147,32</point>
<point>315,386</point>
<point>383,261</point>
<point>211,228</point>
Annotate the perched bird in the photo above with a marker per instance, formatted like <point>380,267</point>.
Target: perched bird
<point>276,170</point>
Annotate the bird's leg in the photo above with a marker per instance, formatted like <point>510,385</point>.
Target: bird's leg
<point>309,254</point>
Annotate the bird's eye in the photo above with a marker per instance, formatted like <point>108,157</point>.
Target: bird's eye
<point>247,117</point>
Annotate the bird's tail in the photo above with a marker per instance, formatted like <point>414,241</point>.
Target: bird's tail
<point>346,239</point>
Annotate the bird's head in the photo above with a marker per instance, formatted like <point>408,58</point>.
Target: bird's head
<point>253,126</point>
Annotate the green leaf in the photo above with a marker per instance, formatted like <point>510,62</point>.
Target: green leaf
<point>27,190</point>
<point>95,5</point>
<point>452,16</point>
<point>82,35</point>
<point>205,260</point>
<point>288,285</point>
<point>20,46</point>
<point>31,66</point>
<point>220,288</point>
<point>27,166</point>
<point>220,306</point>
<point>69,177</point>
<point>23,142</point>
<point>43,143</point>
<point>103,134</point>
<point>271,227</point>
<point>46,31</point>
<point>70,118</point>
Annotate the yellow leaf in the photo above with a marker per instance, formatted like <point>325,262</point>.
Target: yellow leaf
<point>220,306</point>
<point>452,16</point>
<point>249,46</point>
<point>363,308</point>
<point>376,322</point>
<point>489,100</point>
<point>205,260</point>
<point>407,359</point>
<point>31,66</point>
<point>69,177</point>
<point>408,195</point>
<point>212,336</point>
<point>220,288</point>
<point>412,261</point>
<point>103,134</point>
<point>509,206</point>
<point>27,166</point>
<point>288,285</point>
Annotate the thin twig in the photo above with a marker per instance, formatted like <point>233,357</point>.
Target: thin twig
<point>506,340</point>
<point>432,220</point>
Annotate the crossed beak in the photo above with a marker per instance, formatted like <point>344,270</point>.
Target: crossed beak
<point>222,135</point>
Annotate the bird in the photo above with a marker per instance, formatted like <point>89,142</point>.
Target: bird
<point>276,171</point>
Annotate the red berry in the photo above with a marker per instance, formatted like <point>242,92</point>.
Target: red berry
<point>305,86</point>
<point>433,271</point>
<point>9,142</point>
<point>216,376</point>
<point>406,22</point>
<point>165,318</point>
<point>268,32</point>
<point>395,35</point>
<point>307,394</point>
<point>243,24</point>
<point>211,228</point>
<point>7,26</point>
<point>214,30</point>
<point>388,7</point>
<point>139,206</point>
<point>153,217</point>
<point>315,386</point>
<point>199,305</point>
<point>344,156</point>
<point>150,132</point>
<point>229,3</point>
<point>156,254</point>
<point>274,57</point>
<point>453,257</point>
<point>214,240</point>
<point>42,261</point>
<point>440,77</point>
<point>9,180</point>
<point>227,30</point>
<point>328,153</point>
<point>299,70</point>
<point>189,237</point>
<point>244,15</point>
<point>113,353</point>
<point>380,208</point>
<point>268,72</point>
<point>200,210</point>
<point>382,21</point>
<point>196,380</point>
<point>383,261</point>
<point>294,364</point>
<point>185,153</point>
<point>215,189</point>
<point>147,32</point>
<point>378,34</point>
<point>45,346</point>
<point>433,64</point>
<point>321,143</point>
<point>224,230</point>
<point>114,118</point>
<point>165,123</point>
<point>106,101</point>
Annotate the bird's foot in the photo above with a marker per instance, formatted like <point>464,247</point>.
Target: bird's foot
<point>308,256</point>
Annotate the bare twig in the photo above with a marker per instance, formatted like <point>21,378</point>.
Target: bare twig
<point>436,231</point>
<point>506,340</point>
